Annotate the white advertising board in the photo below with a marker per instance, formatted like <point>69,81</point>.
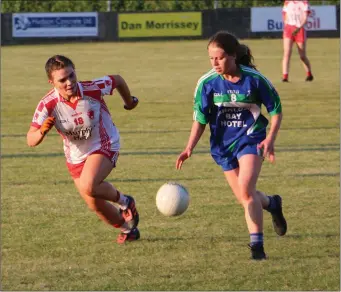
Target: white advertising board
<point>269,19</point>
<point>55,24</point>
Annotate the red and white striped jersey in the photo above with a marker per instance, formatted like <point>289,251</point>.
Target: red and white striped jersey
<point>295,11</point>
<point>85,125</point>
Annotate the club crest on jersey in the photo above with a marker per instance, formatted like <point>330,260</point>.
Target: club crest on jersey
<point>91,114</point>
<point>230,91</point>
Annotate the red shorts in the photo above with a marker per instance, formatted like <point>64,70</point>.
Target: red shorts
<point>300,37</point>
<point>76,169</point>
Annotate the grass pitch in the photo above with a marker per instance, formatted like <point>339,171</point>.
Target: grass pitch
<point>50,241</point>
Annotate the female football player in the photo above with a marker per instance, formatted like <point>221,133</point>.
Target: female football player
<point>229,99</point>
<point>91,141</point>
<point>295,16</point>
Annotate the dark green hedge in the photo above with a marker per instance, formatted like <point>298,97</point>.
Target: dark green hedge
<point>134,5</point>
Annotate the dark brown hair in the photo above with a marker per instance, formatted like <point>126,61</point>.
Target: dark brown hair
<point>57,62</point>
<point>230,44</point>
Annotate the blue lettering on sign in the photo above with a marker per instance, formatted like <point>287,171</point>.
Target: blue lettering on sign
<point>23,23</point>
<point>274,25</point>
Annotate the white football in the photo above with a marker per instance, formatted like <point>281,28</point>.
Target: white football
<point>172,199</point>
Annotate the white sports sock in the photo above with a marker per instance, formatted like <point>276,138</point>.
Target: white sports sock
<point>125,228</point>
<point>123,201</point>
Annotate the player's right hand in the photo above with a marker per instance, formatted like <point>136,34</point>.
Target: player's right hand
<point>182,157</point>
<point>47,125</point>
<point>133,105</point>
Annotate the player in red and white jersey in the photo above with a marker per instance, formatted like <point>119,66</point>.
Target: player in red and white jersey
<point>82,130</point>
<point>295,15</point>
<point>91,140</point>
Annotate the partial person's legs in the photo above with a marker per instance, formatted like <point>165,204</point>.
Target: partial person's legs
<point>287,50</point>
<point>303,56</point>
<point>265,200</point>
<point>97,193</point>
<point>243,184</point>
<point>106,211</point>
<point>249,169</point>
<point>91,182</point>
<point>273,204</point>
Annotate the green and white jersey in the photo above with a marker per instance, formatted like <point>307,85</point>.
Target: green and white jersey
<point>233,110</point>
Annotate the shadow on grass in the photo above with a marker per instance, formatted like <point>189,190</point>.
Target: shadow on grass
<point>218,238</point>
<point>316,174</point>
<point>176,131</point>
<point>310,235</point>
<point>229,238</point>
<point>121,132</point>
<point>163,179</point>
<point>322,148</point>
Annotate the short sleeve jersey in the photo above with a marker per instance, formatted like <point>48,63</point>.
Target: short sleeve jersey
<point>295,11</point>
<point>86,125</point>
<point>233,110</point>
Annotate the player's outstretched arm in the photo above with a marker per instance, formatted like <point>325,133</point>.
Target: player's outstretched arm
<point>130,101</point>
<point>196,133</point>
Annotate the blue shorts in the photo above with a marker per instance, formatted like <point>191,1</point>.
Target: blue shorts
<point>231,162</point>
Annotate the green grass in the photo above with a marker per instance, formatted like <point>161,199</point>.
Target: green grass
<point>51,241</point>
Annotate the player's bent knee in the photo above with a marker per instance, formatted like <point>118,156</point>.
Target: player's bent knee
<point>95,204</point>
<point>87,188</point>
<point>246,197</point>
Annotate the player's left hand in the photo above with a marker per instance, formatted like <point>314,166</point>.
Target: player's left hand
<point>268,147</point>
<point>132,105</point>
<point>295,32</point>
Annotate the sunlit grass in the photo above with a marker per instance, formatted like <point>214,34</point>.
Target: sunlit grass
<point>51,241</point>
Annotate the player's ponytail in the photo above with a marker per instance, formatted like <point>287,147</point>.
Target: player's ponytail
<point>244,56</point>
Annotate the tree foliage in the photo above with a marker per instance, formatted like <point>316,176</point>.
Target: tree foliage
<point>11,6</point>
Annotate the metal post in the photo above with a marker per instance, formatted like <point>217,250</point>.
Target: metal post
<point>216,3</point>
<point>108,5</point>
